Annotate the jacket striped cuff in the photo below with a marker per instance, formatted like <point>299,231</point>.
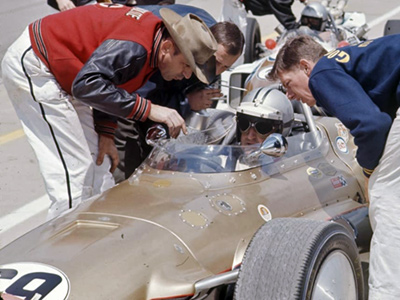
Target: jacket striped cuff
<point>141,110</point>
<point>367,172</point>
<point>106,128</point>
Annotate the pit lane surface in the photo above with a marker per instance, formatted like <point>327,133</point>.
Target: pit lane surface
<point>23,203</point>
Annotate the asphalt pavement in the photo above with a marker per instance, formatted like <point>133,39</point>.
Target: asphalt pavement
<point>23,203</point>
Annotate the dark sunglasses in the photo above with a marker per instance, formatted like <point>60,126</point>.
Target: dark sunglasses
<point>313,23</point>
<point>262,127</point>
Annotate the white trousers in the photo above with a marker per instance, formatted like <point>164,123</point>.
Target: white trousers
<point>59,129</point>
<point>384,195</point>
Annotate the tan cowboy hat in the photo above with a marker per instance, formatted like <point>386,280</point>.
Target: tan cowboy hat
<point>194,40</point>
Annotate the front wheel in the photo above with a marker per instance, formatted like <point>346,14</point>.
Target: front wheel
<point>292,258</point>
<point>252,41</point>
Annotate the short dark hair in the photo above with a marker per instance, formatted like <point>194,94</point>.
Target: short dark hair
<point>295,49</point>
<point>228,35</point>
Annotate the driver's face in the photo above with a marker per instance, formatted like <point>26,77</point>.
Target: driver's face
<point>251,137</point>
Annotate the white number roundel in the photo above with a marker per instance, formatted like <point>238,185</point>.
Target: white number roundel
<point>31,281</point>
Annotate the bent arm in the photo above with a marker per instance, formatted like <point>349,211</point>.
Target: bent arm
<point>113,63</point>
<point>344,98</point>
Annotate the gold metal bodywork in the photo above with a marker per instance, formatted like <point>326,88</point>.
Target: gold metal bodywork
<point>157,234</point>
<point>173,233</point>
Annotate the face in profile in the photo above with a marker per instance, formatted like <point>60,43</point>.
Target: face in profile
<point>295,81</point>
<point>224,60</point>
<point>172,64</point>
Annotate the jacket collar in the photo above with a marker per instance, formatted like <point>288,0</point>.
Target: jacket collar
<point>156,47</point>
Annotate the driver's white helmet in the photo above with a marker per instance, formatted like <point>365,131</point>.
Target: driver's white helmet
<point>315,16</point>
<point>268,105</point>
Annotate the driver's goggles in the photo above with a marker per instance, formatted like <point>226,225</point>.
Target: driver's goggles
<point>313,23</point>
<point>262,127</point>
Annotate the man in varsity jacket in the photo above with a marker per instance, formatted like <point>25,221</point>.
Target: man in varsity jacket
<point>183,95</point>
<point>83,65</point>
<point>360,85</point>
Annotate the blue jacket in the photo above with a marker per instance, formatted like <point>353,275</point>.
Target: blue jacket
<point>360,86</point>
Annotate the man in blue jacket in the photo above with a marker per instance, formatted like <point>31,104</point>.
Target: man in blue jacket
<point>360,85</point>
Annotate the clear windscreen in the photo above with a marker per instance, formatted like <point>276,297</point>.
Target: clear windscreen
<point>181,155</point>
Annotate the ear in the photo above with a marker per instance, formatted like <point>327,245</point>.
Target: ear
<point>306,66</point>
<point>166,46</point>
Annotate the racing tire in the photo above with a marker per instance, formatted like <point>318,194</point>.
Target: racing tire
<point>292,258</point>
<point>252,39</point>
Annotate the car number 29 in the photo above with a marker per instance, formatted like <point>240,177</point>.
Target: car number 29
<point>32,281</point>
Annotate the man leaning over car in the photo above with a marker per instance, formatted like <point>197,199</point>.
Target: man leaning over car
<point>54,75</point>
<point>360,85</point>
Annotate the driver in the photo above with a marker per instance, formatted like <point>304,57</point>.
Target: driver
<point>315,16</point>
<point>262,112</point>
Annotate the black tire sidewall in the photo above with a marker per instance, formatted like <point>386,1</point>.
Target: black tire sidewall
<point>253,36</point>
<point>284,256</point>
<point>337,241</point>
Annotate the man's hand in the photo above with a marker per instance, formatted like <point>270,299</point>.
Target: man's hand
<point>65,4</point>
<point>200,99</point>
<point>107,146</point>
<point>170,117</point>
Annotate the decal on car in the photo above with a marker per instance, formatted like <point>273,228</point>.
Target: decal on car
<point>32,280</point>
<point>338,182</point>
<point>342,131</point>
<point>264,213</point>
<point>341,145</point>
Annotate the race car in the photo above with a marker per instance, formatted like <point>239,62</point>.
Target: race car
<point>204,219</point>
<point>290,223</point>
